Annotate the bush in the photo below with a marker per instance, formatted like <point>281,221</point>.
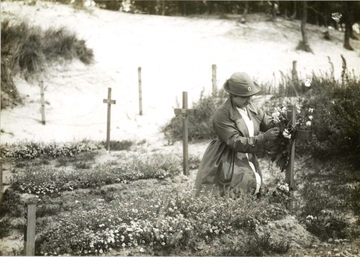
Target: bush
<point>28,50</point>
<point>336,124</point>
<point>199,121</point>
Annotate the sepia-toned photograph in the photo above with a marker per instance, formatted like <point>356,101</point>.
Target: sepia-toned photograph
<point>180,128</point>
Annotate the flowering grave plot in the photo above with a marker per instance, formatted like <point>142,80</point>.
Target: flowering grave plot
<point>294,122</point>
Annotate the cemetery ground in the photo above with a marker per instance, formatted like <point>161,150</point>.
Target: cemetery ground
<point>134,199</point>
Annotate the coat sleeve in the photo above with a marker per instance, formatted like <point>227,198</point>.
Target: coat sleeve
<point>228,132</point>
<point>266,121</point>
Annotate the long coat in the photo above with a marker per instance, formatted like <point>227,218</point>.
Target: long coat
<point>225,166</point>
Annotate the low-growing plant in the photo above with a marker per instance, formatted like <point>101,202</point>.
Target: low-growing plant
<point>327,224</point>
<point>31,149</point>
<point>323,211</point>
<point>255,245</point>
<point>161,222</point>
<point>47,181</point>
<point>4,227</point>
<point>119,145</point>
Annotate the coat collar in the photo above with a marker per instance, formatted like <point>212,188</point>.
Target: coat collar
<point>234,114</point>
<point>237,118</point>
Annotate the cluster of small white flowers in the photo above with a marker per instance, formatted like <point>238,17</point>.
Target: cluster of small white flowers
<point>286,133</point>
<point>310,218</point>
<point>279,114</point>
<point>283,186</point>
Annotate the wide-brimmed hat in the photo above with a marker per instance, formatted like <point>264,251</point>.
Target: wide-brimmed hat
<point>240,84</point>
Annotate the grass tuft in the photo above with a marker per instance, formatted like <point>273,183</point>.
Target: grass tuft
<point>28,50</point>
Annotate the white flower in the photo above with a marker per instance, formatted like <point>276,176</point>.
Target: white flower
<point>309,217</point>
<point>308,82</point>
<point>310,117</point>
<point>311,110</point>
<point>286,134</point>
<point>308,123</point>
<point>276,114</point>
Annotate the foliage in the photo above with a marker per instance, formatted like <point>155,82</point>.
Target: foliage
<point>279,150</point>
<point>28,50</point>
<point>119,145</point>
<point>199,122</point>
<point>31,149</point>
<point>337,124</point>
<point>48,181</point>
<point>328,198</point>
<point>156,222</point>
<point>335,117</point>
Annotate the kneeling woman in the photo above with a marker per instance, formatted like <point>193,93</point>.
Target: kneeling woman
<point>230,165</point>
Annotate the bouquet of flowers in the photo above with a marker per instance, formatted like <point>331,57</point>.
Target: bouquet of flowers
<point>279,150</point>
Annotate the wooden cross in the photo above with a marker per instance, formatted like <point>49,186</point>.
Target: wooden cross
<point>29,232</point>
<point>300,134</point>
<point>108,101</point>
<point>185,112</point>
<point>1,184</point>
<point>42,103</point>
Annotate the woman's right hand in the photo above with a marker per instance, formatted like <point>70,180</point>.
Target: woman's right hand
<point>272,134</point>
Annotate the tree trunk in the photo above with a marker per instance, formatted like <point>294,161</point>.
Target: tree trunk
<point>294,13</point>
<point>349,19</point>
<point>273,10</point>
<point>305,41</point>
<point>243,18</point>
<point>163,7</point>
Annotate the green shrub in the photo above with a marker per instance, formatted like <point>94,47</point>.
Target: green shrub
<point>336,124</point>
<point>199,122</point>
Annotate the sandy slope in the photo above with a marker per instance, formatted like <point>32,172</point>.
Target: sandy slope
<point>175,54</point>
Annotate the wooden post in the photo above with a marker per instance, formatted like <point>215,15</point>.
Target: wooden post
<point>289,175</point>
<point>109,102</point>
<point>214,87</point>
<point>1,184</point>
<point>42,103</point>
<point>184,112</point>
<point>29,236</point>
<point>140,93</point>
<point>186,137</point>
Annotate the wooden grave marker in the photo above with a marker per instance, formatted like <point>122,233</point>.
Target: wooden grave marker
<point>29,232</point>
<point>185,112</point>
<point>109,102</point>
<point>43,121</point>
<point>300,135</point>
<point>214,86</point>
<point>1,184</point>
<point>140,92</point>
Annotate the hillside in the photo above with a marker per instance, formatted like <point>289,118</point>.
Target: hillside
<point>175,54</point>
